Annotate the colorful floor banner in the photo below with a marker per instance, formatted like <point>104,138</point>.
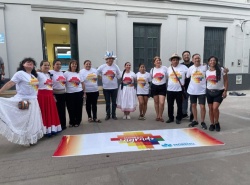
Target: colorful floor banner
<point>113,142</point>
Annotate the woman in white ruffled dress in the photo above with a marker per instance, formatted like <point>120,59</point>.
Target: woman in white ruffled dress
<point>126,99</point>
<point>23,127</point>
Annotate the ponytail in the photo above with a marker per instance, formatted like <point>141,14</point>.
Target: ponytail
<point>122,79</point>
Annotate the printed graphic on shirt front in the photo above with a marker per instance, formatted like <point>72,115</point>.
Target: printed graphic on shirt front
<point>61,80</point>
<point>48,83</point>
<point>127,81</point>
<point>92,77</point>
<point>197,77</point>
<point>158,76</point>
<point>75,81</point>
<point>110,75</point>
<point>34,83</point>
<point>212,79</point>
<point>141,82</point>
<point>173,78</point>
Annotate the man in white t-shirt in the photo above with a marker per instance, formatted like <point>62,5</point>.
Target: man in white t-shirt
<point>197,89</point>
<point>110,74</point>
<point>176,79</point>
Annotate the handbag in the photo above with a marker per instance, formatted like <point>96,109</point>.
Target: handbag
<point>23,104</point>
<point>213,92</point>
<point>183,90</point>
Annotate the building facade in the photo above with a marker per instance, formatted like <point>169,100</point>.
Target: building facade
<point>135,30</point>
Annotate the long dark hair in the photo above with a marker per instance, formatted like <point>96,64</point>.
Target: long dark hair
<point>41,64</point>
<point>217,68</point>
<point>77,68</point>
<point>123,75</point>
<point>21,68</point>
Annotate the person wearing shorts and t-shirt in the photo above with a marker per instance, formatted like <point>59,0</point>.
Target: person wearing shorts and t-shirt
<point>197,89</point>
<point>217,84</point>
<point>158,88</point>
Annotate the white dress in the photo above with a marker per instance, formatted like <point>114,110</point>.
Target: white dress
<point>126,98</point>
<point>22,127</point>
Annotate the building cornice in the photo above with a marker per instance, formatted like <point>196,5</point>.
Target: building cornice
<point>216,19</point>
<point>215,3</point>
<point>2,6</point>
<point>150,15</point>
<point>61,9</point>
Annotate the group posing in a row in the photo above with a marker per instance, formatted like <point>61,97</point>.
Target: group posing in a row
<point>47,113</point>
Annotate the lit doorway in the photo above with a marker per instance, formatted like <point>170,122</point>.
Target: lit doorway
<point>59,40</point>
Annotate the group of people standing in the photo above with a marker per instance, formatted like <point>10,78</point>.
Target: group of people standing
<point>49,92</point>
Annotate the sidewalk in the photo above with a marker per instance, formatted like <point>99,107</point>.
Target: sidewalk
<point>224,165</point>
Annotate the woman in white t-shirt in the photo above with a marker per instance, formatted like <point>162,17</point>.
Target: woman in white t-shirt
<point>143,80</point>
<point>59,81</point>
<point>217,84</point>
<point>23,127</point>
<point>74,93</point>
<point>126,98</point>
<point>47,101</point>
<point>89,76</point>
<point>158,88</point>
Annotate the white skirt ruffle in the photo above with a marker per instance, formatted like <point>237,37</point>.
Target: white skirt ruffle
<point>22,127</point>
<point>126,99</point>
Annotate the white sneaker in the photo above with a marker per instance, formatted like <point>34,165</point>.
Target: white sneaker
<point>124,117</point>
<point>128,117</point>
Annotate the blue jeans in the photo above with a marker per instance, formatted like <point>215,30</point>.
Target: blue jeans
<point>110,94</point>
<point>185,105</point>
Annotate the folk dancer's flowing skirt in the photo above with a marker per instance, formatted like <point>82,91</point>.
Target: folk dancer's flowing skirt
<point>22,127</point>
<point>126,99</point>
<point>48,108</point>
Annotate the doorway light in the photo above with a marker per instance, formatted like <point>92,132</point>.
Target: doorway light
<point>63,28</point>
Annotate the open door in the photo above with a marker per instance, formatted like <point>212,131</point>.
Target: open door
<point>74,40</point>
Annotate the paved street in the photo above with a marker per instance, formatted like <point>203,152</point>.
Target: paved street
<point>223,165</point>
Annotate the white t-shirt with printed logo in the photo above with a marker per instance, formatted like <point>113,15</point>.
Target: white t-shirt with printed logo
<point>45,81</point>
<point>58,79</point>
<point>197,85</point>
<point>26,85</point>
<point>159,75</point>
<point>212,82</point>
<point>129,79</point>
<point>143,82</point>
<point>90,79</point>
<point>109,74</point>
<point>173,83</point>
<point>73,82</point>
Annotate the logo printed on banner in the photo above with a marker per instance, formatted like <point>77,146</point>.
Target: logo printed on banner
<point>177,144</point>
<point>139,139</point>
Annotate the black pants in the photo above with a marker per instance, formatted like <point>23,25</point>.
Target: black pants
<point>110,94</point>
<point>91,104</point>
<point>61,108</point>
<point>171,97</point>
<point>74,102</point>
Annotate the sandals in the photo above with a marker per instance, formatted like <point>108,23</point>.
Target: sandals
<point>161,119</point>
<point>90,120</point>
<point>157,119</point>
<point>97,121</point>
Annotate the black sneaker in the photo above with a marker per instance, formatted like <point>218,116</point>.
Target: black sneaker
<point>203,126</point>
<point>191,117</point>
<point>114,118</point>
<point>194,123</point>
<point>217,127</point>
<point>178,121</point>
<point>211,127</point>
<point>169,121</point>
<point>184,116</point>
<point>107,118</point>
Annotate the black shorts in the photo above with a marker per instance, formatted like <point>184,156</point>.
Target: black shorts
<point>218,98</point>
<point>201,98</point>
<point>143,95</point>
<point>158,90</point>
